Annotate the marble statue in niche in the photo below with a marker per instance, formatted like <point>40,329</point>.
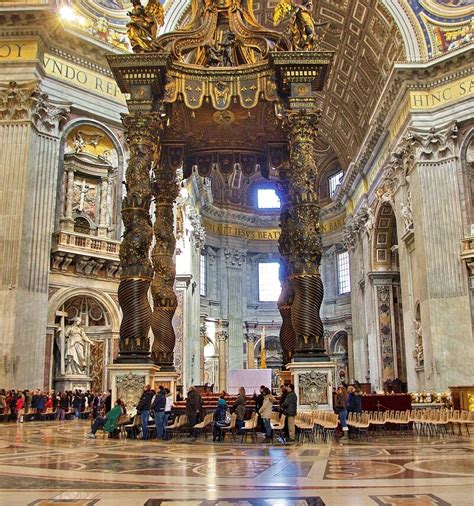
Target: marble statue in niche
<point>77,349</point>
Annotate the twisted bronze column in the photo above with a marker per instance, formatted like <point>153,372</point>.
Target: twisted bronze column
<point>165,190</point>
<point>287,332</point>
<point>304,237</point>
<point>142,137</point>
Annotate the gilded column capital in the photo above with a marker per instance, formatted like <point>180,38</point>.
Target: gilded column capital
<point>27,102</point>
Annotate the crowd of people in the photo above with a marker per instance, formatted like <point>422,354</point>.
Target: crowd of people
<point>16,405</point>
<point>158,407</point>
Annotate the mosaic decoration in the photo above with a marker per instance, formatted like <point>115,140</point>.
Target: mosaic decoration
<point>97,366</point>
<point>446,24</point>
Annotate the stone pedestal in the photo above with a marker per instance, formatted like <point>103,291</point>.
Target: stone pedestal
<point>284,377</point>
<point>313,384</point>
<point>128,380</point>
<point>167,379</point>
<point>73,382</point>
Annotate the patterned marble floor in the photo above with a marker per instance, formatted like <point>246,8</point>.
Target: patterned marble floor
<point>53,463</point>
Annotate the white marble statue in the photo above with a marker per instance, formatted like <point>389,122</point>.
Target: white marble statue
<point>76,348</point>
<point>406,212</point>
<point>371,220</point>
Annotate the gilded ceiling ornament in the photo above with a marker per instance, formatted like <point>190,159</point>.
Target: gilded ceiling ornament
<point>220,33</point>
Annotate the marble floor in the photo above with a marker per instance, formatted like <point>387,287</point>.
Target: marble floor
<point>51,463</point>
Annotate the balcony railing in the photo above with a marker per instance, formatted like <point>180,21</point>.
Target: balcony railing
<point>82,243</point>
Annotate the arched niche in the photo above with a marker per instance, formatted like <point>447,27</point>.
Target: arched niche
<point>467,183</point>
<point>99,318</point>
<point>89,188</point>
<point>338,352</point>
<point>385,279</point>
<point>385,242</point>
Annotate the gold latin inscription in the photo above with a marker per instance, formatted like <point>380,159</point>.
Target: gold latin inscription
<point>441,95</point>
<point>256,234</point>
<point>17,50</point>
<point>82,78</point>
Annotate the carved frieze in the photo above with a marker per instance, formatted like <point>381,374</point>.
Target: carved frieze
<point>313,388</point>
<point>129,388</point>
<point>234,258</point>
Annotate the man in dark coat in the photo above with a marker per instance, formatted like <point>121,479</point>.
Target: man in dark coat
<point>289,407</point>
<point>143,408</point>
<point>193,409</point>
<point>158,406</point>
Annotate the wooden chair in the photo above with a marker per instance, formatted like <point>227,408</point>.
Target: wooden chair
<point>123,421</point>
<point>202,427</point>
<point>249,427</point>
<point>231,427</point>
<point>132,428</point>
<point>278,428</point>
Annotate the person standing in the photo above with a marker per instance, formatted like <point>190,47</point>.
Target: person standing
<point>143,409</point>
<point>20,407</point>
<point>168,409</point>
<point>158,406</point>
<point>239,409</point>
<point>289,407</point>
<point>258,399</point>
<point>77,404</point>
<point>193,409</point>
<point>266,413</point>
<point>341,409</point>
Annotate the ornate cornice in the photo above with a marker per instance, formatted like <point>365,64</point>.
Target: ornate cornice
<point>404,77</point>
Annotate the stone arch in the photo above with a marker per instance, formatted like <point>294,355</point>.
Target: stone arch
<point>384,240</point>
<point>466,156</point>
<point>65,294</point>
<point>71,125</point>
<point>338,342</point>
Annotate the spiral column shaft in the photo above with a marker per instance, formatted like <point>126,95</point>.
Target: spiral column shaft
<point>303,236</point>
<point>165,190</point>
<point>142,137</point>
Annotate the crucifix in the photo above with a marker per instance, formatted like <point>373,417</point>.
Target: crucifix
<point>83,189</point>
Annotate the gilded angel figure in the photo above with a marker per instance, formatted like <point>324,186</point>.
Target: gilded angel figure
<point>142,28</point>
<point>301,27</point>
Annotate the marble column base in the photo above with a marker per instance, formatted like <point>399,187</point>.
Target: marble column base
<point>313,384</point>
<point>167,379</point>
<point>128,381</point>
<point>73,382</point>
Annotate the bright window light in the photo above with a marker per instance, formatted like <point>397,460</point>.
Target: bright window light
<point>269,287</point>
<point>334,182</point>
<point>267,198</point>
<point>343,273</point>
